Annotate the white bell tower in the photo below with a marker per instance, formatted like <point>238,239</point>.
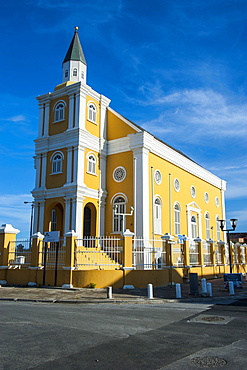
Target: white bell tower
<point>74,64</point>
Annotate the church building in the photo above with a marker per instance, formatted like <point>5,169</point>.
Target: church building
<point>98,173</point>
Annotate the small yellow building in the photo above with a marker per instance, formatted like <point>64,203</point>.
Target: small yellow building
<point>93,166</point>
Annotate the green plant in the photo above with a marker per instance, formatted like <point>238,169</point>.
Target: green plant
<point>91,285</point>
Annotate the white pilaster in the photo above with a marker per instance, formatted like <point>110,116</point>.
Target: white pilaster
<point>41,120</point>
<point>38,168</point>
<point>71,111</point>
<point>43,171</point>
<point>69,165</point>
<point>35,217</point>
<point>46,120</point>
<point>102,204</point>
<point>79,154</point>
<point>142,192</point>
<point>41,216</point>
<point>67,202</point>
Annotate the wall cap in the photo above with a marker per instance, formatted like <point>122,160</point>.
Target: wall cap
<point>38,235</point>
<point>71,233</point>
<point>127,232</point>
<point>8,229</point>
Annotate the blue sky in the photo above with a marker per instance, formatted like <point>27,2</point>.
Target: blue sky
<point>175,67</point>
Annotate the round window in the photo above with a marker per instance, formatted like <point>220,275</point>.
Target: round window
<point>217,202</point>
<point>176,184</point>
<point>193,191</point>
<point>157,177</point>
<point>119,174</point>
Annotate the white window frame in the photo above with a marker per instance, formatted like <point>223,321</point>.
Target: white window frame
<point>92,112</point>
<point>157,215</point>
<point>207,225</point>
<point>57,163</point>
<point>117,220</point>
<point>194,232</point>
<point>59,111</point>
<point>91,163</point>
<point>217,227</point>
<point>177,213</point>
<point>53,220</point>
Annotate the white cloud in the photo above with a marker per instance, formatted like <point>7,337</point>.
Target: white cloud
<point>200,114</point>
<point>19,118</point>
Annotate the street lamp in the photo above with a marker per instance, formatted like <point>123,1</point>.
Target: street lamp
<point>31,223</point>
<point>116,213</point>
<point>233,222</point>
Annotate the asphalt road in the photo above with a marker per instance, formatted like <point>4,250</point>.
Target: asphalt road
<point>122,336</point>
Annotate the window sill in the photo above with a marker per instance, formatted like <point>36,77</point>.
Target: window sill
<point>61,120</point>
<point>56,173</point>
<point>92,122</point>
<point>91,173</point>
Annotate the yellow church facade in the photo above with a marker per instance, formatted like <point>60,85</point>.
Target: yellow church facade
<point>92,165</point>
<point>130,209</point>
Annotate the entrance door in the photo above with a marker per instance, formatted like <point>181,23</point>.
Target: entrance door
<point>87,221</point>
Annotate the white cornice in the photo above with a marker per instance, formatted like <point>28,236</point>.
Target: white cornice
<point>68,190</point>
<point>68,138</point>
<point>144,139</point>
<point>118,146</point>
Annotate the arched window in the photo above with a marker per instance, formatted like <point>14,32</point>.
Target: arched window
<point>91,164</point>
<point>157,216</point>
<point>92,112</point>
<point>207,225</point>
<point>59,112</point>
<point>75,72</point>
<point>119,206</point>
<point>217,228</point>
<point>193,227</point>
<point>56,160</point>
<point>66,73</point>
<point>53,220</point>
<point>177,218</point>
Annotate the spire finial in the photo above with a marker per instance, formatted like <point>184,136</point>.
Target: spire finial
<point>76,29</point>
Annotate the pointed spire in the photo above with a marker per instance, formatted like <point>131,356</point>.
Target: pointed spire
<point>74,64</point>
<point>75,51</point>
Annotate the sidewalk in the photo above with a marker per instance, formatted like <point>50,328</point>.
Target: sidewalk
<point>86,295</point>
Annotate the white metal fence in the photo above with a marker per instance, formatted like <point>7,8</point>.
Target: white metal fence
<point>194,253</point>
<point>21,253</point>
<point>53,255</point>
<point>98,253</point>
<point>148,254</point>
<point>178,253</point>
<point>207,253</point>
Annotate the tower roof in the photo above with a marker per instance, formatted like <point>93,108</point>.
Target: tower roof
<point>75,51</point>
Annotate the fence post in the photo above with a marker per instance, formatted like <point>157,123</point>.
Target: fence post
<point>127,258</point>
<point>69,259</point>
<point>36,257</point>
<point>7,235</point>
<point>231,251</point>
<point>186,249</point>
<point>168,245</point>
<point>200,251</point>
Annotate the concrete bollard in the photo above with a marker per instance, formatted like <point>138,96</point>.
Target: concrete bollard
<point>204,285</point>
<point>231,288</point>
<point>150,291</point>
<point>209,289</point>
<point>109,292</point>
<point>178,291</point>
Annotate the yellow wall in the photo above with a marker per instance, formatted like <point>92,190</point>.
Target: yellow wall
<point>61,126</point>
<point>59,179</point>
<point>90,180</point>
<point>126,186</point>
<point>183,197</point>
<point>93,128</point>
<point>116,128</point>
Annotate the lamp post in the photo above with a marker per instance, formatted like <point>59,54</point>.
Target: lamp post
<point>233,222</point>
<point>123,214</point>
<point>31,223</point>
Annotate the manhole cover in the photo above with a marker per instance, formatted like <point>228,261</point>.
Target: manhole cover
<point>212,318</point>
<point>208,361</point>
